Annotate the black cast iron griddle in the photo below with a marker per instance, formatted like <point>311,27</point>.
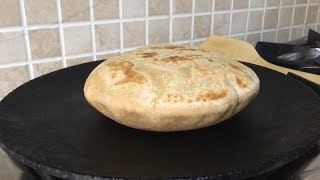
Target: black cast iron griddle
<point>47,124</point>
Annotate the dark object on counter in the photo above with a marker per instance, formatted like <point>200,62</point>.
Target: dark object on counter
<point>313,39</point>
<point>304,57</point>
<point>48,125</point>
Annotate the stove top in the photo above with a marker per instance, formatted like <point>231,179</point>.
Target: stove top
<point>303,56</point>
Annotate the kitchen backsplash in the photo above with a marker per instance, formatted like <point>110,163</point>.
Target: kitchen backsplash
<point>41,36</point>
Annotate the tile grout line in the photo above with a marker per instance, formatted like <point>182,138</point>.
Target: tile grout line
<point>263,19</point>
<point>170,22</point>
<point>230,20</point>
<point>46,60</point>
<point>212,16</point>
<point>14,64</point>
<point>247,23</point>
<point>43,26</point>
<point>146,23</point>
<point>26,38</point>
<point>39,27</point>
<point>182,42</point>
<point>305,18</point>
<point>188,41</point>
<point>278,24</point>
<point>120,26</point>
<point>131,48</point>
<point>61,34</point>
<point>202,13</point>
<point>292,18</point>
<point>11,29</point>
<point>93,32</point>
<point>199,39</point>
<point>154,17</point>
<point>192,22</point>
<point>108,52</point>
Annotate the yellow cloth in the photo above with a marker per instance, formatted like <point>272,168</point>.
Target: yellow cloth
<point>245,52</point>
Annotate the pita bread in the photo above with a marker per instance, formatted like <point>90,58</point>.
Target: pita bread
<point>170,88</point>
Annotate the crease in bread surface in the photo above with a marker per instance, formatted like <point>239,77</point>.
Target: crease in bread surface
<point>170,88</point>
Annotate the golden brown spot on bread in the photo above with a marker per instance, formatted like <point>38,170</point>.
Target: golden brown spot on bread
<point>203,71</point>
<point>235,67</point>
<point>241,82</point>
<point>148,55</point>
<point>126,68</point>
<point>189,100</point>
<point>186,71</point>
<point>210,60</point>
<point>211,95</point>
<point>113,75</point>
<point>173,47</point>
<point>194,56</point>
<point>174,97</point>
<point>175,59</point>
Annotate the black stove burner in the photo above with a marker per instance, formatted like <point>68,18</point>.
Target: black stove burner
<point>317,61</point>
<point>303,57</point>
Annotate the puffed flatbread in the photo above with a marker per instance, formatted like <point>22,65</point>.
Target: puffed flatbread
<point>170,88</point>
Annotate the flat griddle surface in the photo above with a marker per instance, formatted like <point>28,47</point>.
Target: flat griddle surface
<point>47,124</point>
